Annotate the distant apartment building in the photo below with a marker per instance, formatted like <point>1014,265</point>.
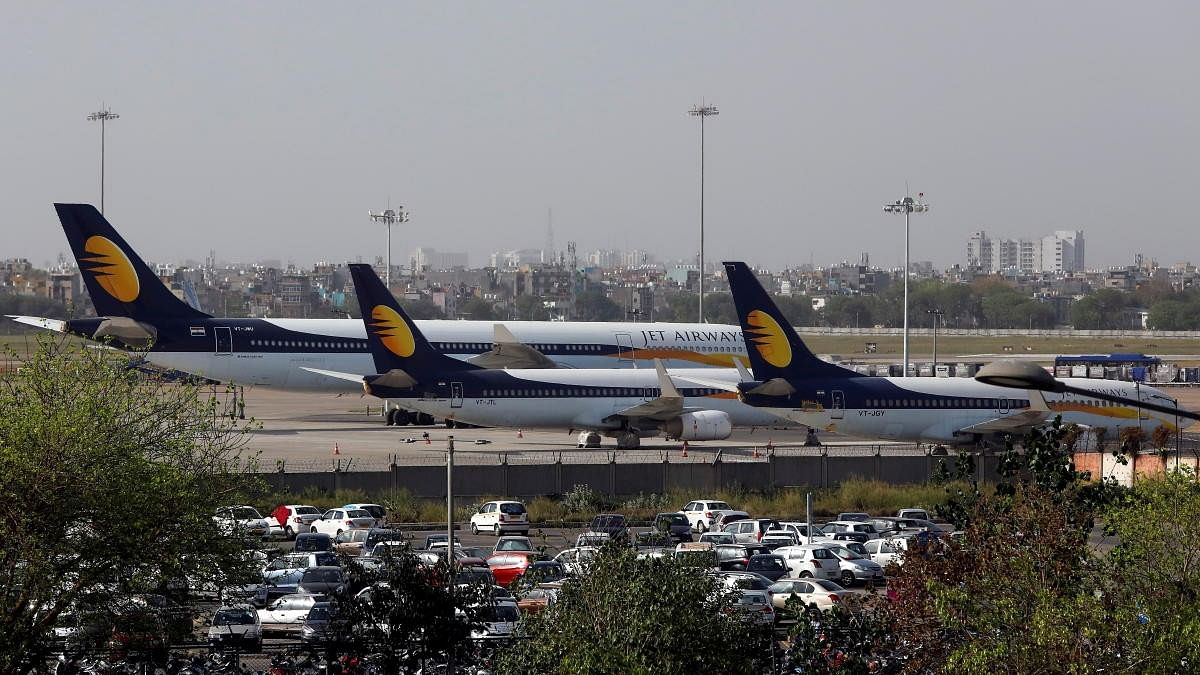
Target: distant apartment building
<point>433,260</point>
<point>1062,251</point>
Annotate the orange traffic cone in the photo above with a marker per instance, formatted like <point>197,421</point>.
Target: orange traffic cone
<point>519,434</point>
<point>684,453</point>
<point>336,451</point>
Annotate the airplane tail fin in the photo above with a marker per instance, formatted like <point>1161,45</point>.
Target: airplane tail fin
<point>394,340</point>
<point>774,348</point>
<point>120,283</point>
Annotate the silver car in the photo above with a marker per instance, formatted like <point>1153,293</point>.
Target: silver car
<point>236,626</point>
<point>855,566</point>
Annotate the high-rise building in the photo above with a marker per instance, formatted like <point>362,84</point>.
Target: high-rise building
<point>1062,251</point>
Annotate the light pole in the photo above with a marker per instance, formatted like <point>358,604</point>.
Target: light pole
<point>906,206</point>
<point>449,531</point>
<point>102,116</point>
<point>935,313</point>
<point>702,111</point>
<point>389,218</point>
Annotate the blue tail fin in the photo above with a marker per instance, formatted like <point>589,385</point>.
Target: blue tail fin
<point>395,341</point>
<point>120,282</point>
<point>774,348</point>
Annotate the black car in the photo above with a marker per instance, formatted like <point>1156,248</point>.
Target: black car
<point>612,524</point>
<point>313,542</point>
<point>773,567</point>
<point>321,580</point>
<point>321,626</point>
<point>674,524</point>
<point>545,571</point>
<point>732,557</point>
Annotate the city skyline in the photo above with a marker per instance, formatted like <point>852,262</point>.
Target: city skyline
<point>275,134</point>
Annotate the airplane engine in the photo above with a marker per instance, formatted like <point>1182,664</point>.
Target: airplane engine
<point>705,425</point>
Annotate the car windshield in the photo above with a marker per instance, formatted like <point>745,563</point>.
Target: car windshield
<point>319,613</point>
<point>752,599</point>
<point>674,518</point>
<point>512,508</point>
<point>307,511</point>
<point>772,563</point>
<point>504,612</point>
<point>374,510</point>
<point>514,545</point>
<point>320,574</point>
<point>846,554</point>
<point>313,542</point>
<point>358,513</point>
<point>233,617</point>
<point>244,513</point>
<point>719,506</point>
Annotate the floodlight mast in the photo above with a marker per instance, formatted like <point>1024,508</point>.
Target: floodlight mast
<point>102,116</point>
<point>702,111</point>
<point>389,217</point>
<point>907,206</point>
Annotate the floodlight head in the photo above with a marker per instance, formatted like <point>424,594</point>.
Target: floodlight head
<point>1018,375</point>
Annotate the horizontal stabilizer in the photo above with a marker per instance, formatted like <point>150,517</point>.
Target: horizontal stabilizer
<point>773,387</point>
<point>349,377</point>
<point>126,331</point>
<point>55,325</point>
<point>509,352</point>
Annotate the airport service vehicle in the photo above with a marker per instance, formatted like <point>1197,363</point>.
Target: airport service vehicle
<point>241,521</point>
<point>792,382</point>
<point>810,560</point>
<point>136,309</point>
<point>501,517</point>
<point>625,404</point>
<point>700,513</point>
<point>820,592</point>
<point>295,518</point>
<point>336,521</point>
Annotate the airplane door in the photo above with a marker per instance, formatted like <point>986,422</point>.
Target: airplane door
<point>837,405</point>
<point>624,348</point>
<point>224,340</point>
<point>456,394</point>
<point>1005,406</point>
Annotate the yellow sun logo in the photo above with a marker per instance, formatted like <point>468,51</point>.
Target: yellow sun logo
<point>112,268</point>
<point>392,331</point>
<point>769,339</point>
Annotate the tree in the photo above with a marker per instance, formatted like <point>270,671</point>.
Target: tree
<point>530,308</point>
<point>631,615</point>
<point>594,305</point>
<point>797,309</point>
<point>718,308</point>
<point>1102,310</point>
<point>422,309</point>
<point>477,309</point>
<point>109,482</point>
<point>402,614</point>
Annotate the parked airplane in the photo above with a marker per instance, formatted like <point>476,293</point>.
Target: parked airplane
<point>136,309</point>
<point>792,382</point>
<point>627,404</point>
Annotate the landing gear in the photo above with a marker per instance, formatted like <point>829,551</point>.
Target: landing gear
<point>811,440</point>
<point>629,440</point>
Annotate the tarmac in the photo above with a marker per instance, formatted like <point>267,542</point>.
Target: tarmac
<point>319,430</point>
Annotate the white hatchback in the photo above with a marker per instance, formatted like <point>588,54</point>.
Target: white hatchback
<point>500,517</point>
<point>701,512</point>
<point>337,521</point>
<point>810,561</point>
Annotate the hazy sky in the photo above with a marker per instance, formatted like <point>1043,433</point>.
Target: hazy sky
<point>268,130</point>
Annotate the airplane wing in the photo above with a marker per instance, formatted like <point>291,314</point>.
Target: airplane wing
<point>724,385</point>
<point>350,377</point>
<point>1035,415</point>
<point>509,352</point>
<point>668,405</point>
<point>40,322</point>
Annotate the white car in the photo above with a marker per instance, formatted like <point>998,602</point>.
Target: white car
<point>499,621</point>
<point>918,514</point>
<point>882,552</point>
<point>500,517</point>
<point>854,566</point>
<point>241,521</point>
<point>576,561</point>
<point>701,512</point>
<point>810,560</point>
<point>286,614</point>
<point>337,521</point>
<point>376,511</point>
<point>855,529</point>
<point>820,592</point>
<point>237,626</point>
<point>802,534</point>
<point>750,530</point>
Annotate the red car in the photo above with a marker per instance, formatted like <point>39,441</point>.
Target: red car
<point>508,565</point>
